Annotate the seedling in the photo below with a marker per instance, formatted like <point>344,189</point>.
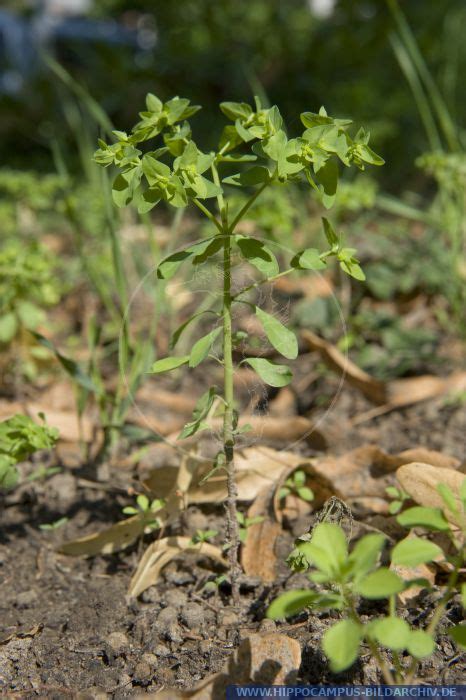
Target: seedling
<point>399,497</point>
<point>20,437</point>
<point>178,173</point>
<point>345,578</point>
<point>203,536</point>
<point>245,523</point>
<point>146,510</point>
<point>296,485</point>
<point>55,525</point>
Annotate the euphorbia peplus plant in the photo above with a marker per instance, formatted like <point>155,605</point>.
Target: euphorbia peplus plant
<point>179,173</point>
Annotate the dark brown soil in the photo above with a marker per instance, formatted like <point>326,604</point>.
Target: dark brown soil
<point>66,626</point>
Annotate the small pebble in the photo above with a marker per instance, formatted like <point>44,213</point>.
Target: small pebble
<point>161,650</point>
<point>118,642</point>
<point>26,599</point>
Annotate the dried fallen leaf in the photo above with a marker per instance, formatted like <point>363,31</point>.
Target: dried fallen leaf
<point>421,480</point>
<point>364,473</point>
<point>399,392</point>
<point>256,467</point>
<point>372,388</point>
<point>263,659</point>
<point>114,538</point>
<point>158,554</point>
<point>258,552</point>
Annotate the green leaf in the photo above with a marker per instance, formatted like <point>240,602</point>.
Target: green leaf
<point>419,516</point>
<point>327,550</point>
<point>327,176</point>
<point>143,502</point>
<point>290,603</point>
<point>236,110</point>
<point>330,233</point>
<point>200,412</point>
<point>178,332</point>
<point>380,584</point>
<point>448,498</point>
<point>463,595</point>
<point>168,363</point>
<point>458,634</point>
<point>308,259</point>
<point>365,554</point>
<point>169,265</point>
<point>392,632</point>
<point>305,493</point>
<point>463,493</point>
<point>153,169</point>
<point>420,644</point>
<point>8,327</point>
<point>413,551</point>
<point>282,339</point>
<point>201,349</point>
<point>341,644</point>
<point>29,314</point>
<point>270,372</point>
<point>257,175</point>
<point>259,255</point>
<point>275,146</point>
<point>8,473</point>
<point>70,366</point>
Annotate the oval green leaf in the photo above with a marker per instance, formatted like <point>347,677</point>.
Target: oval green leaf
<point>290,603</point>
<point>392,632</point>
<point>341,644</point>
<point>380,584</point>
<point>413,551</point>
<point>419,516</point>
<point>420,644</point>
<point>201,349</point>
<point>168,363</point>
<point>270,372</point>
<point>282,339</point>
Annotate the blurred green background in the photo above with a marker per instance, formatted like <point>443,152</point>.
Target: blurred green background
<point>298,53</point>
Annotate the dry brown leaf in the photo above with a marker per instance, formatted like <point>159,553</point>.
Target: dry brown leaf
<point>364,472</point>
<point>372,388</point>
<point>399,392</point>
<point>180,403</point>
<point>258,551</point>
<point>264,659</point>
<point>158,554</point>
<point>256,468</point>
<point>114,538</point>
<point>421,480</point>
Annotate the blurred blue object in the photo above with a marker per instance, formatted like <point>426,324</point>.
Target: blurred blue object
<point>23,39</point>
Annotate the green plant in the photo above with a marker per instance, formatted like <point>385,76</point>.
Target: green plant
<point>203,536</point>
<point>146,510</point>
<point>20,437</point>
<point>28,285</point>
<point>296,485</point>
<point>345,579</point>
<point>48,527</point>
<point>256,139</point>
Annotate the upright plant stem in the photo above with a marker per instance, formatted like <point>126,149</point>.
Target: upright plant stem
<point>228,422</point>
<point>228,395</point>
